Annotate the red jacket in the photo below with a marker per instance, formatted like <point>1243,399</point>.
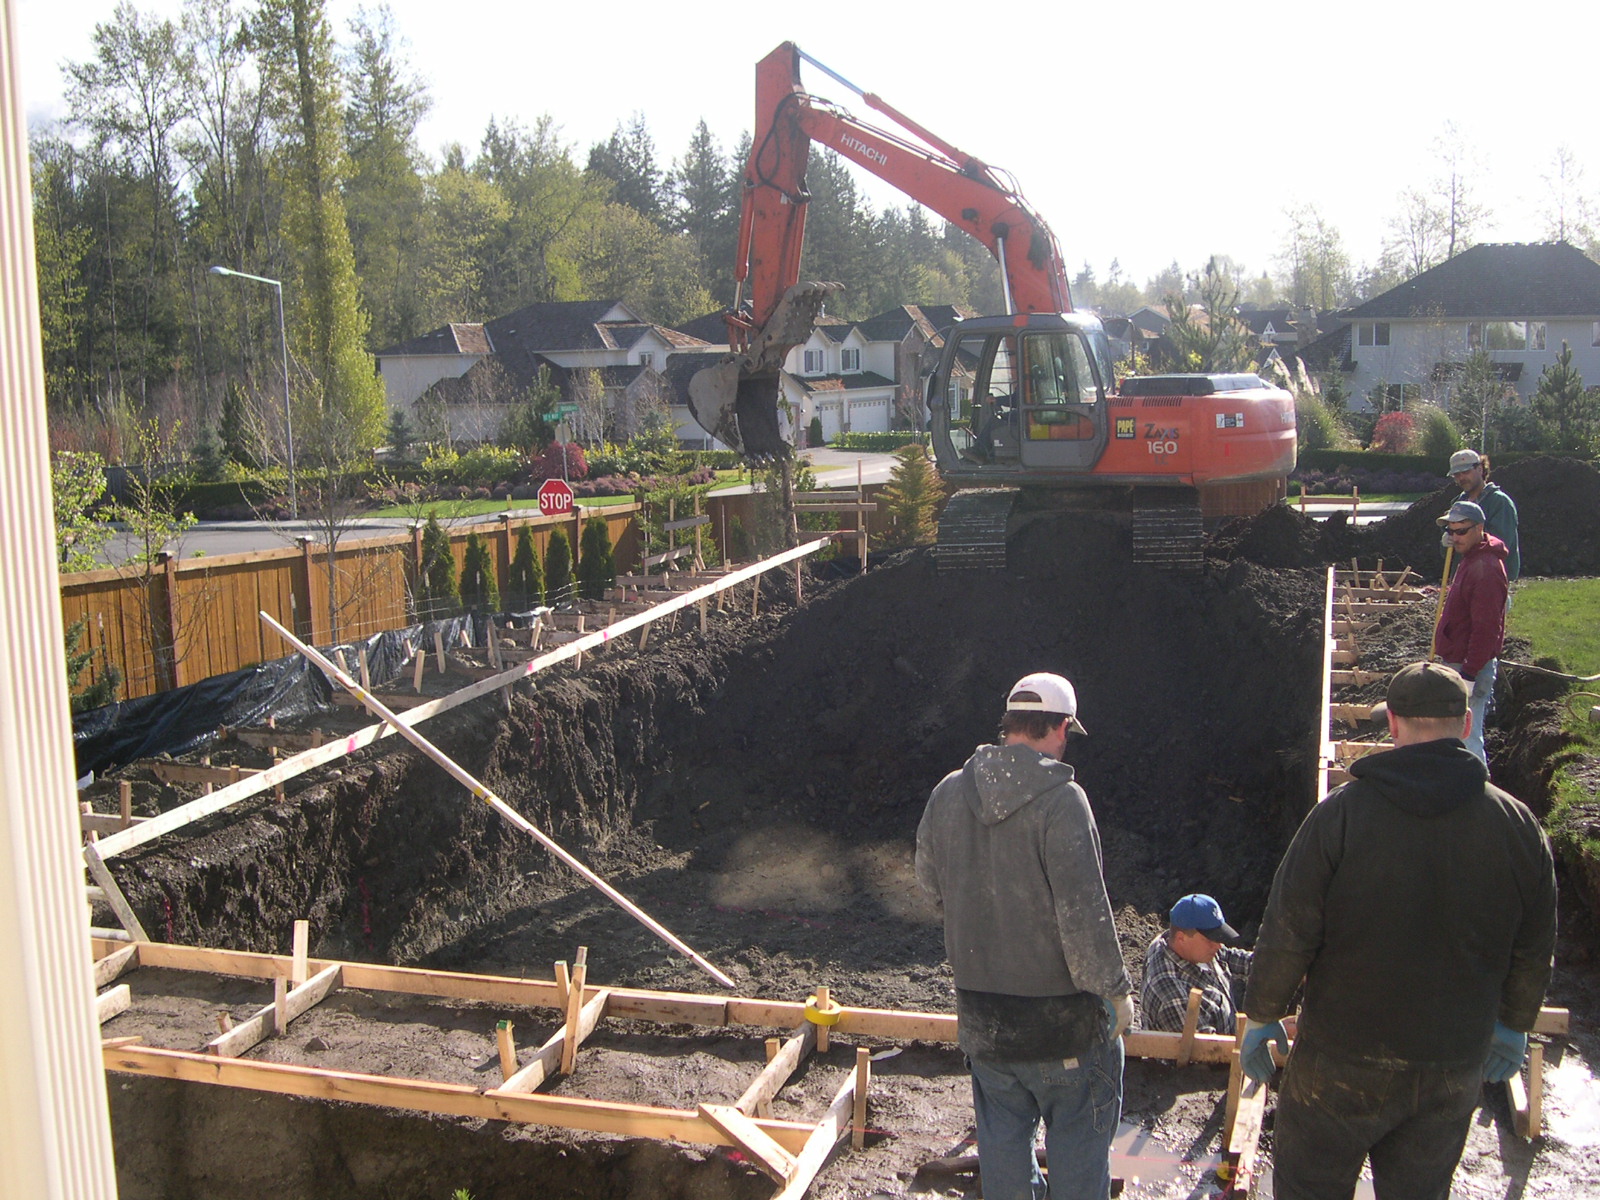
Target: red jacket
<point>1472,627</point>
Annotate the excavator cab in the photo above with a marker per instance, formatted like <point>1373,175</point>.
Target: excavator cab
<point>1020,398</point>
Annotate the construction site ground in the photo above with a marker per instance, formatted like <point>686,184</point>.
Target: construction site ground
<point>757,789</point>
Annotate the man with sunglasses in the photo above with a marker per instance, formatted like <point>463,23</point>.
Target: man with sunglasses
<point>1472,627</point>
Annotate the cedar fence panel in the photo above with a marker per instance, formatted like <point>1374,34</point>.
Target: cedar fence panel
<point>189,619</point>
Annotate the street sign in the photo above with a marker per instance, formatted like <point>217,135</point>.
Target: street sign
<point>555,498</point>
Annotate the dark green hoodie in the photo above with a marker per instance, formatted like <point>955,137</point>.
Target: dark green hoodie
<point>1418,901</point>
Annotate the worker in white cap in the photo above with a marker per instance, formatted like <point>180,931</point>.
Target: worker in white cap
<point>1009,849</point>
<point>1470,470</point>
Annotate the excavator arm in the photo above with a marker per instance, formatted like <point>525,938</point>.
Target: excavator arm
<point>737,400</point>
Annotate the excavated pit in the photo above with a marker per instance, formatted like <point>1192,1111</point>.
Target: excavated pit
<point>756,789</point>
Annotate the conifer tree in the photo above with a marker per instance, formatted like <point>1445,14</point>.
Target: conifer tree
<point>597,565</point>
<point>105,686</point>
<point>525,585</point>
<point>1569,415</point>
<point>911,498</point>
<point>558,567</point>
<point>437,591</point>
<point>479,590</point>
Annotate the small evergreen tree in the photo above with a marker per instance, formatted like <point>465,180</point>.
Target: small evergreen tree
<point>597,563</point>
<point>558,567</point>
<point>525,584</point>
<point>399,434</point>
<point>105,687</point>
<point>814,432</point>
<point>437,592</point>
<point>479,591</point>
<point>1438,437</point>
<point>739,546</point>
<point>1569,415</point>
<point>207,457</point>
<point>911,498</point>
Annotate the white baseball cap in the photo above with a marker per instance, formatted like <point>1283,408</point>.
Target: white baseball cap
<point>1464,460</point>
<point>1044,692</point>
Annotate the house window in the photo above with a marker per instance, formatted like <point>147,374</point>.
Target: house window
<point>646,358</point>
<point>850,360</point>
<point>1373,333</point>
<point>813,364</point>
<point>1505,335</point>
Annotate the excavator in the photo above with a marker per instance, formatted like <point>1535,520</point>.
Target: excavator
<point>1025,400</point>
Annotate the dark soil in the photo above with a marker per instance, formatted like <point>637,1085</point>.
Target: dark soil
<point>757,790</point>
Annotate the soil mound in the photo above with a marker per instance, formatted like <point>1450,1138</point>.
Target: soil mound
<point>1556,499</point>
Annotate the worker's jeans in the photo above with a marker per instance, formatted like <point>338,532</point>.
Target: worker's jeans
<point>1080,1102</point>
<point>1332,1114</point>
<point>1478,703</point>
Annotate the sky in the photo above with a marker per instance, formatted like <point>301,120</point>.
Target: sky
<point>1144,134</point>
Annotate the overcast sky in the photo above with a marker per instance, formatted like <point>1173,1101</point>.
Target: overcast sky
<point>1144,133</point>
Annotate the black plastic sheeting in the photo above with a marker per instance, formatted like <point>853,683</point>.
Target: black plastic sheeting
<point>186,719</point>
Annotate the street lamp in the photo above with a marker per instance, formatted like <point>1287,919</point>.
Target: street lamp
<point>283,340</point>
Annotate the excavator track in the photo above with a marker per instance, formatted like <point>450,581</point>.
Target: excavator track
<point>972,530</point>
<point>1168,536</point>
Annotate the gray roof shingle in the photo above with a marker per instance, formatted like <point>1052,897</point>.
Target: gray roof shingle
<point>1496,281</point>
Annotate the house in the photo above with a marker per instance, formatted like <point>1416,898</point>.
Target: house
<point>1517,301</point>
<point>477,371</point>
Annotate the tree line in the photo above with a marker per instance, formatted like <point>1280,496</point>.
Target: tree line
<point>248,134</point>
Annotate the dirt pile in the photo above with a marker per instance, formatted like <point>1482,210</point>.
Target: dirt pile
<point>1557,499</point>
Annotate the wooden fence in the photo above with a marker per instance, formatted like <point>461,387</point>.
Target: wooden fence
<point>191,618</point>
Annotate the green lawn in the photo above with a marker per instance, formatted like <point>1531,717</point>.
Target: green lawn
<point>1373,497</point>
<point>477,508</point>
<point>1561,618</point>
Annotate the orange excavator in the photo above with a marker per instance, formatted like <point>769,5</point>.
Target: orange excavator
<point>1025,399</point>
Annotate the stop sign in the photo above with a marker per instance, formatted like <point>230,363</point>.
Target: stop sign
<point>555,498</point>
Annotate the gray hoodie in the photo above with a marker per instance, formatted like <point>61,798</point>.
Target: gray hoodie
<point>1009,848</point>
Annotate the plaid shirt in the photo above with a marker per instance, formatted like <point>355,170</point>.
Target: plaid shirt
<point>1164,999</point>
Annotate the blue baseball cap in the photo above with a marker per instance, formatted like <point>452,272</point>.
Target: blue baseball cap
<point>1204,915</point>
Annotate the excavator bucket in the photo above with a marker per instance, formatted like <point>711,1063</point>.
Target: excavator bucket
<point>739,410</point>
<point>738,400</point>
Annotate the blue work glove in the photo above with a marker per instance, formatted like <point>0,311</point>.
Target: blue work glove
<point>1507,1049</point>
<point>1256,1053</point>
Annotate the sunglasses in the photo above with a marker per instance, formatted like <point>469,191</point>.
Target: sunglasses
<point>1462,532</point>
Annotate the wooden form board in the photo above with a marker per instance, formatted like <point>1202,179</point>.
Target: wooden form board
<point>307,760</point>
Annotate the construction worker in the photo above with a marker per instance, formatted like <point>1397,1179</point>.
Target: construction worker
<point>1195,951</point>
<point>1472,624</point>
<point>1009,848</point>
<point>1418,905</point>
<point>1470,470</point>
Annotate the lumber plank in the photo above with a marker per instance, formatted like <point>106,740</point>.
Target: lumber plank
<point>265,739</point>
<point>766,1153</point>
<point>450,1099</point>
<point>628,1003</point>
<point>105,822</point>
<point>118,903</point>
<point>776,1073</point>
<point>401,701</point>
<point>834,1125</point>
<point>685,523</point>
<point>113,965</point>
<point>1534,1126</point>
<point>174,772</point>
<point>1244,1143</point>
<point>858,1116</point>
<point>1553,1021</point>
<point>109,1004</point>
<point>1350,713</point>
<point>265,1022</point>
<point>580,975</point>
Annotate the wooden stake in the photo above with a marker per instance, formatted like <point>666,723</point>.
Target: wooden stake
<point>1235,1079</point>
<point>563,985</point>
<point>438,649</point>
<point>580,973</point>
<point>417,668</point>
<point>302,943</point>
<point>1191,1024</point>
<point>508,1050</point>
<point>125,801</point>
<point>461,776</point>
<point>224,1021</point>
<point>823,1000</point>
<point>280,1006</point>
<point>1535,1090</point>
<point>366,678</point>
<point>858,1124</point>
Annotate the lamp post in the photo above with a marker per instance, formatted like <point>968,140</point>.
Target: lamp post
<point>283,341</point>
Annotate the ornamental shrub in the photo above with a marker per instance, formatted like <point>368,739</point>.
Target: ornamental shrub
<point>525,584</point>
<point>1395,433</point>
<point>597,565</point>
<point>479,591</point>
<point>558,567</point>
